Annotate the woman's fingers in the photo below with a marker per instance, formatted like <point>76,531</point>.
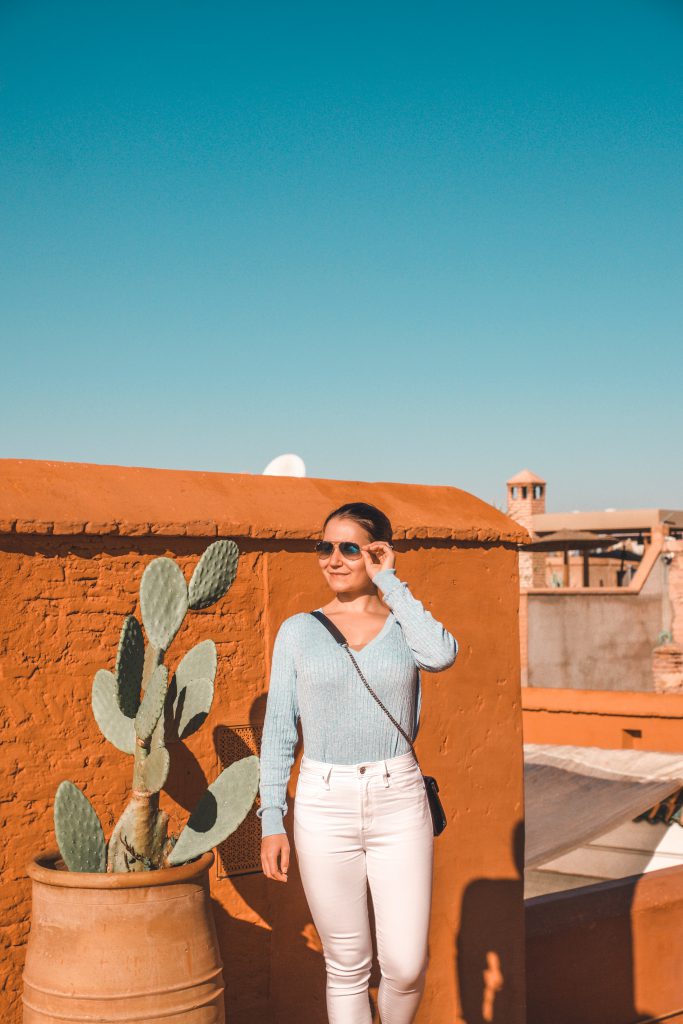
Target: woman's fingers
<point>382,551</point>
<point>272,849</point>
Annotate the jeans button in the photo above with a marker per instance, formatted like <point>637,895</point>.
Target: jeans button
<point>362,770</point>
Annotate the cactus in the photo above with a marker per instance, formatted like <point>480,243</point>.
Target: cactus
<point>140,713</point>
<point>115,727</point>
<point>155,770</point>
<point>152,704</point>
<point>191,692</point>
<point>130,660</point>
<point>214,574</point>
<point>79,833</point>
<point>163,601</point>
<point>222,808</point>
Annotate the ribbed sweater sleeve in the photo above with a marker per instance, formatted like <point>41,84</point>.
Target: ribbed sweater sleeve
<point>433,647</point>
<point>279,734</point>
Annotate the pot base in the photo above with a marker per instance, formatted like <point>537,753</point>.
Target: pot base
<point>116,948</point>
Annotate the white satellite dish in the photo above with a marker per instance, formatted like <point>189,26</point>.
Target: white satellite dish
<point>286,465</point>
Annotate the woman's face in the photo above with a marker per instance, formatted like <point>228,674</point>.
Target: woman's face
<point>342,573</point>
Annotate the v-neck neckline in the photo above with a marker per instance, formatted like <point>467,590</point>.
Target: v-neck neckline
<point>375,638</point>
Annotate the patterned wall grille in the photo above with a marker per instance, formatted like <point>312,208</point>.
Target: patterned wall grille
<point>240,854</point>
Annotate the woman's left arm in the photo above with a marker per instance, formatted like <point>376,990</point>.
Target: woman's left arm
<point>433,647</point>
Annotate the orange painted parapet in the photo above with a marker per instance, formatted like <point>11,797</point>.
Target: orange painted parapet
<point>608,953</point>
<point>603,718</point>
<point>76,540</point>
<point>75,498</point>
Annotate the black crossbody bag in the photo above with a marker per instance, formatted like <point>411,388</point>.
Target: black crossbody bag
<point>430,783</point>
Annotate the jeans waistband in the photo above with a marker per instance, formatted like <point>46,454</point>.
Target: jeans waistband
<point>362,769</point>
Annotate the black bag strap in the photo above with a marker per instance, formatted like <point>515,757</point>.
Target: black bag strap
<point>343,642</point>
<point>330,626</point>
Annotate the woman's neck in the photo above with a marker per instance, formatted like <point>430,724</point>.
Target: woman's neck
<point>361,602</point>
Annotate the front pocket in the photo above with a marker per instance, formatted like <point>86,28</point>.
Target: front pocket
<point>308,783</point>
<point>407,780</point>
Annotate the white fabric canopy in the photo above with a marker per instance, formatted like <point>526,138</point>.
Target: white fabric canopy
<point>574,794</point>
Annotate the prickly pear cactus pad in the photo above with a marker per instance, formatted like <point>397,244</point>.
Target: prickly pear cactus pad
<point>214,574</point>
<point>190,694</point>
<point>199,663</point>
<point>114,725</point>
<point>155,769</point>
<point>152,704</point>
<point>220,811</point>
<point>163,601</point>
<point>79,834</point>
<point>129,664</point>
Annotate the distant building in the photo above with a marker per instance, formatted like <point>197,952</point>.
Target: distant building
<point>601,594</point>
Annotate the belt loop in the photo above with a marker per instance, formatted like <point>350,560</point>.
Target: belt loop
<point>385,775</point>
<point>326,777</point>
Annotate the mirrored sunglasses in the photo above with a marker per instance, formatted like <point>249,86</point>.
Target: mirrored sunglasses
<point>347,548</point>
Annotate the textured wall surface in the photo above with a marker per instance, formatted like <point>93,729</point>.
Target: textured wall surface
<point>595,641</point>
<point>607,953</point>
<point>70,574</point>
<point>608,719</point>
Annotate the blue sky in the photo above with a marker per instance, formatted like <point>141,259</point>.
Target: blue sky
<point>433,243</point>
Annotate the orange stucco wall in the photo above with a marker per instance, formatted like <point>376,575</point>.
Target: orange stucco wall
<point>608,953</point>
<point>600,718</point>
<point>74,541</point>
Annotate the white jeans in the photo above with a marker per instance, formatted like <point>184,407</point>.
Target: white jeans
<point>356,824</point>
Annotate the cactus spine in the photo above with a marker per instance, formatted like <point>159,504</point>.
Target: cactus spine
<point>141,713</point>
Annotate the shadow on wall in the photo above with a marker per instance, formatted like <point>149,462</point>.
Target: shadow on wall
<point>482,963</point>
<point>286,945</point>
<point>579,953</point>
<point>285,950</point>
<point>580,949</point>
<point>288,941</point>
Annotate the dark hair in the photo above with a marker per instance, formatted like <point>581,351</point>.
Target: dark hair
<point>368,516</point>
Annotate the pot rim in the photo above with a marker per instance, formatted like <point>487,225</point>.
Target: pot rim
<point>42,869</point>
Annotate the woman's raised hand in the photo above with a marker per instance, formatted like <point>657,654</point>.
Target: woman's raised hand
<point>380,550</point>
<point>274,848</point>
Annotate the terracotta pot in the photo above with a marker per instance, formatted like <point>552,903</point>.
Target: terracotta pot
<point>122,947</point>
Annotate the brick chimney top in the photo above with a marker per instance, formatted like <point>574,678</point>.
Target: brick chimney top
<point>526,477</point>
<point>525,497</point>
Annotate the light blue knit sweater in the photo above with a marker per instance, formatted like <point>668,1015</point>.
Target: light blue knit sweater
<point>313,678</point>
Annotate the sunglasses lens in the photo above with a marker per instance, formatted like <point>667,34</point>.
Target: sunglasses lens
<point>347,548</point>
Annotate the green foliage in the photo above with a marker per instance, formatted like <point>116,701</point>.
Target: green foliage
<point>152,704</point>
<point>155,769</point>
<point>129,664</point>
<point>163,601</point>
<point>115,727</point>
<point>214,574</point>
<point>79,834</point>
<point>220,811</point>
<point>190,694</point>
<point>138,712</point>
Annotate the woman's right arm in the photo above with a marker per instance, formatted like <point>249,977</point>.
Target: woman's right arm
<point>279,734</point>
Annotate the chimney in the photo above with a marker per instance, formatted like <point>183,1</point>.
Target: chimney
<point>526,499</point>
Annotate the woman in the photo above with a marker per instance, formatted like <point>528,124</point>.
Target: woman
<point>361,814</point>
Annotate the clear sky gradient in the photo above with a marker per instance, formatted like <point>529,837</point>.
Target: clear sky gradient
<point>432,242</point>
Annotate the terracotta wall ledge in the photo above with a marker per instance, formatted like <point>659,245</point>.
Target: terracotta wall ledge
<point>645,704</point>
<point>72,499</point>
